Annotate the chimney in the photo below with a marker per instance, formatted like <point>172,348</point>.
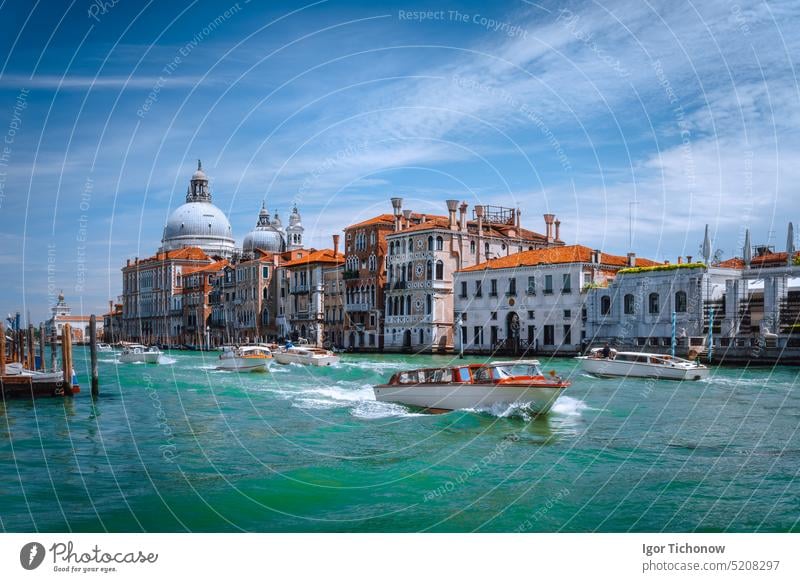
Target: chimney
<point>423,218</point>
<point>479,249</point>
<point>666,262</point>
<point>128,263</point>
<point>631,259</point>
<point>548,221</point>
<point>558,230</point>
<point>688,258</point>
<point>519,221</point>
<point>397,208</point>
<point>597,256</point>
<point>680,260</point>
<point>335,246</point>
<point>452,206</point>
<point>462,218</point>
<point>407,216</point>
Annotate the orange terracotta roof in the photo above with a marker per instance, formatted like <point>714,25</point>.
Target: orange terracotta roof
<point>215,266</point>
<point>489,229</point>
<point>186,253</point>
<point>380,219</point>
<point>321,256</point>
<point>759,261</point>
<point>556,255</point>
<point>733,263</point>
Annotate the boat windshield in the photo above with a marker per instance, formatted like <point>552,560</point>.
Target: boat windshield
<point>520,369</point>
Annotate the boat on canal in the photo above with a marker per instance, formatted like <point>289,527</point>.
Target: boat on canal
<point>519,382</point>
<point>15,369</point>
<point>104,347</point>
<point>133,353</point>
<point>254,358</point>
<point>305,355</point>
<point>641,365</point>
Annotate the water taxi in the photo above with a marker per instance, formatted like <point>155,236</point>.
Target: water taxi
<point>254,358</point>
<point>641,365</point>
<point>519,382</point>
<point>133,353</point>
<point>305,355</point>
<point>104,347</point>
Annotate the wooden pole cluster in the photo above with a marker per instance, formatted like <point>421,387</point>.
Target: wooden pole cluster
<point>93,354</point>
<point>53,349</point>
<point>66,358</point>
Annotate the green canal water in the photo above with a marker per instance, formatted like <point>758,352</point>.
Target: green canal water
<point>183,447</point>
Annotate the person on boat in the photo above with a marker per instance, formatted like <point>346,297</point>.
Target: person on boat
<point>606,351</point>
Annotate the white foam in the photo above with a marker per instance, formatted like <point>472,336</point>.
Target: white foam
<point>166,360</point>
<point>372,409</point>
<point>569,406</point>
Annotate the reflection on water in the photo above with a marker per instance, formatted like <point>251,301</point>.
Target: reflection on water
<point>185,446</point>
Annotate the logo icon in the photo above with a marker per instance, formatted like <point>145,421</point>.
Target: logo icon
<point>31,555</point>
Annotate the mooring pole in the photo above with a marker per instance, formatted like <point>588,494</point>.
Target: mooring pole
<point>31,351</point>
<point>2,350</point>
<point>53,348</point>
<point>41,347</point>
<point>66,358</point>
<point>93,353</point>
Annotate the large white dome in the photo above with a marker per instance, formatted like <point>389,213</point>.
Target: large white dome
<point>198,223</point>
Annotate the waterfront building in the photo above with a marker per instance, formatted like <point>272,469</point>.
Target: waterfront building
<point>532,301</point>
<point>112,323</point>
<point>79,324</point>
<point>746,307</point>
<point>423,258</point>
<point>309,278</point>
<point>152,295</point>
<point>197,283</point>
<point>254,297</point>
<point>364,279</point>
<point>198,223</point>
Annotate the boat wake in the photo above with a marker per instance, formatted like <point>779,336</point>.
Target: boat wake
<point>568,406</point>
<point>358,398</point>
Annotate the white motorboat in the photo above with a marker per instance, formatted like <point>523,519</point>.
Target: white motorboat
<point>641,365</point>
<point>305,355</point>
<point>254,358</point>
<point>104,348</point>
<point>475,386</point>
<point>133,353</point>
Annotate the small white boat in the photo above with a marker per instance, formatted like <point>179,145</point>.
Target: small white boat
<point>104,348</point>
<point>305,355</point>
<point>16,369</point>
<point>475,386</point>
<point>245,359</point>
<point>641,365</point>
<point>133,353</point>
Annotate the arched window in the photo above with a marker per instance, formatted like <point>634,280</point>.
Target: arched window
<point>388,306</point>
<point>472,246</point>
<point>429,270</point>
<point>629,304</point>
<point>408,304</point>
<point>486,249</point>
<point>439,243</point>
<point>401,270</point>
<point>404,245</point>
<point>680,302</point>
<point>605,305</point>
<point>430,243</point>
<point>428,304</point>
<point>439,270</point>
<point>652,303</point>
<point>390,273</point>
<point>409,267</point>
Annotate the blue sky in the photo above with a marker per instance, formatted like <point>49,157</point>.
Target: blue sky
<point>688,109</point>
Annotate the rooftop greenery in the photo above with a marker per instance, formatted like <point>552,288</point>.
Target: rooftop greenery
<point>671,267</point>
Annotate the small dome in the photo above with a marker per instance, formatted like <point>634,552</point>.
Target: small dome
<point>199,174</point>
<point>267,235</point>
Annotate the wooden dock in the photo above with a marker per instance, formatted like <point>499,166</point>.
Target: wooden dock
<point>21,350</point>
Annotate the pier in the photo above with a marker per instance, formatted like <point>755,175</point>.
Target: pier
<point>23,375</point>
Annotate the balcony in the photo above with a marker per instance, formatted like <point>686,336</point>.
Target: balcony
<point>349,275</point>
<point>305,316</point>
<point>299,289</point>
<point>357,307</point>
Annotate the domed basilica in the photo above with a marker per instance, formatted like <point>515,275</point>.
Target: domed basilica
<point>198,223</point>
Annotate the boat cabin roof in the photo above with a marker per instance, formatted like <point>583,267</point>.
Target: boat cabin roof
<point>466,373</point>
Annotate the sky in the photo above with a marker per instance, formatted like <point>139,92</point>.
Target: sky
<point>635,122</point>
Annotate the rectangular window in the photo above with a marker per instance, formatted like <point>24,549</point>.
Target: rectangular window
<point>548,284</point>
<point>531,335</point>
<point>531,314</point>
<point>587,278</point>
<point>494,335</point>
<point>463,290</point>
<point>494,315</point>
<point>567,314</point>
<point>531,285</point>
<point>549,335</point>
<point>477,337</point>
<point>512,286</point>
<point>478,290</point>
<point>493,288</point>
<point>566,283</point>
<point>567,334</point>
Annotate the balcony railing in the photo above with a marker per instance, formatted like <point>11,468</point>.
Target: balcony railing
<point>357,307</point>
